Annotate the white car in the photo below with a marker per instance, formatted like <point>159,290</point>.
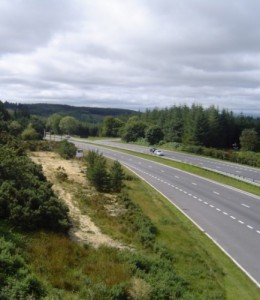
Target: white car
<point>158,153</point>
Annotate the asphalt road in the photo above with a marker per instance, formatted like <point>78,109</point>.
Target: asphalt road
<point>230,217</point>
<point>238,171</point>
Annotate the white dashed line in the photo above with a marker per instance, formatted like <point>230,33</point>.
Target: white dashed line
<point>247,206</point>
<point>206,203</point>
<point>194,183</point>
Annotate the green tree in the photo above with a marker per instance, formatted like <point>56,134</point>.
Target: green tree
<point>30,133</point>
<point>68,125</point>
<point>97,171</point>
<point>249,140</point>
<point>116,177</point>
<point>195,127</point>
<point>154,135</point>
<point>111,127</point>
<point>53,122</point>
<point>4,114</point>
<point>133,131</point>
<point>15,128</point>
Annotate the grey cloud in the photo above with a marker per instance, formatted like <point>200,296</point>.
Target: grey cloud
<point>132,53</point>
<point>29,24</point>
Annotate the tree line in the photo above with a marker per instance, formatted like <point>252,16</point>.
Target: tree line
<point>195,125</point>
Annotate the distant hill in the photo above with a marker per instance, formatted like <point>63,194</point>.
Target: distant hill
<point>86,114</point>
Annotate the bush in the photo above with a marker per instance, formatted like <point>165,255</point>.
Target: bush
<point>144,230</point>
<point>66,150</point>
<point>26,198</point>
<point>17,282</point>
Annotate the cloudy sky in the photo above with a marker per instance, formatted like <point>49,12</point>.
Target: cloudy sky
<point>132,54</point>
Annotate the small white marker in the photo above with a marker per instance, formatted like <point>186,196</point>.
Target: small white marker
<point>194,183</point>
<point>225,213</point>
<point>218,209</point>
<point>250,227</point>
<point>232,217</point>
<point>241,222</point>
<point>216,193</point>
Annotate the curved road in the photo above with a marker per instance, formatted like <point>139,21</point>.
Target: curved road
<point>230,217</point>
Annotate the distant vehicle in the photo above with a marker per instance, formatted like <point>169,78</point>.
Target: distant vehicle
<point>152,150</point>
<point>79,153</point>
<point>158,153</point>
<point>67,136</point>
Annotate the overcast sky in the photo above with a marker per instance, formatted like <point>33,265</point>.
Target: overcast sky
<point>132,54</point>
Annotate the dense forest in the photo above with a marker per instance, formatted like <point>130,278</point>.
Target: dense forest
<point>196,125</point>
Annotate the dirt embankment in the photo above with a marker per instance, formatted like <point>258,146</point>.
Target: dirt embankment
<point>84,230</point>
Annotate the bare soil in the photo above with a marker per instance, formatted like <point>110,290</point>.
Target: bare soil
<point>83,230</point>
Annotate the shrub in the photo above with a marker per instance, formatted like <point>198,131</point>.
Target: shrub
<point>26,198</point>
<point>116,177</point>
<point>66,150</point>
<point>17,282</point>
